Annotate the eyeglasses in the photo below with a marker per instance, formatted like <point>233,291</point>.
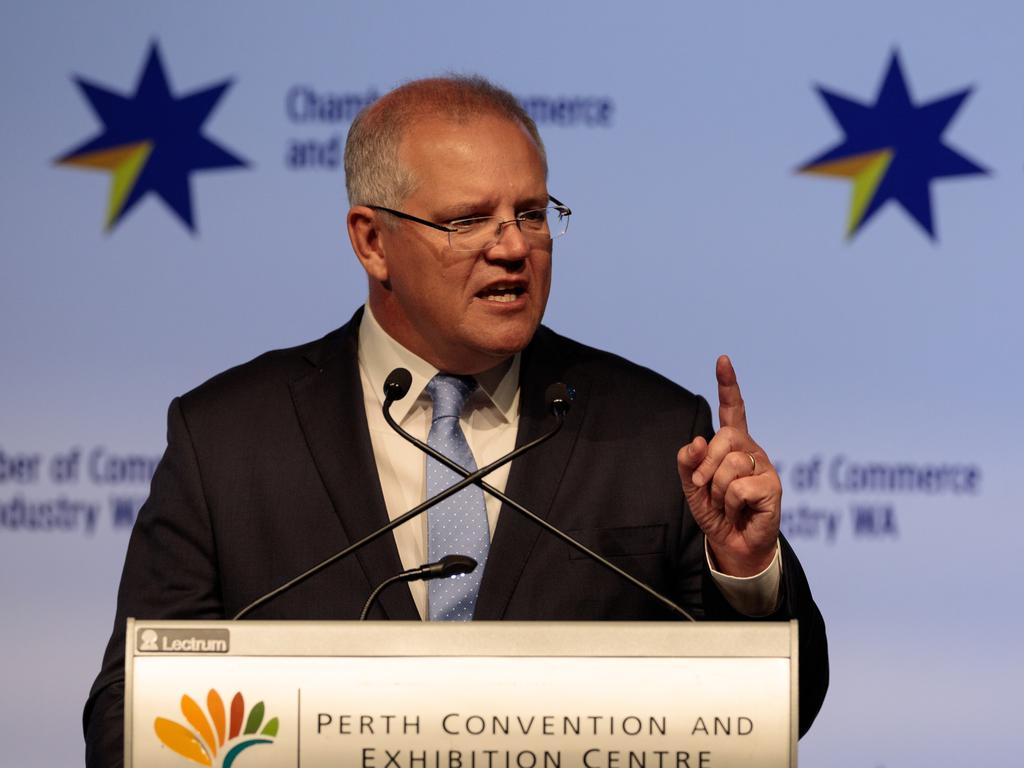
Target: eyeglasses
<point>482,232</point>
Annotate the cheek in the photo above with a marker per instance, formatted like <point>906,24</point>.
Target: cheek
<point>542,272</point>
<point>427,280</point>
<point>451,288</point>
<point>441,295</point>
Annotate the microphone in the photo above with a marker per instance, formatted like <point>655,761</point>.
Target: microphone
<point>559,398</point>
<point>396,385</point>
<point>449,565</point>
<point>395,388</point>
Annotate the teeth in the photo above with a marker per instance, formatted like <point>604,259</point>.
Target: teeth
<point>502,293</point>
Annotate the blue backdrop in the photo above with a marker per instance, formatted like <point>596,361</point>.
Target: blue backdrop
<point>879,365</point>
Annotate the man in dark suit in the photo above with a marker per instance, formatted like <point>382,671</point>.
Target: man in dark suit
<point>274,465</point>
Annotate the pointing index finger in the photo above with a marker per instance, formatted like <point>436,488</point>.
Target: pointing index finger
<point>731,410</point>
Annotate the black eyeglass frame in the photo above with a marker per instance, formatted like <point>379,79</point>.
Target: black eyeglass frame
<point>449,230</point>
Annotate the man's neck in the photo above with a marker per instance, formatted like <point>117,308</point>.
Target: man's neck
<point>380,353</point>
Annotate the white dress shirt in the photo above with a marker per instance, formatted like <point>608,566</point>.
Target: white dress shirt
<point>490,421</point>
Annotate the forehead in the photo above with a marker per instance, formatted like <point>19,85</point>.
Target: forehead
<point>482,156</point>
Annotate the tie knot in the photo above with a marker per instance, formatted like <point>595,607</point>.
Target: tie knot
<point>449,394</point>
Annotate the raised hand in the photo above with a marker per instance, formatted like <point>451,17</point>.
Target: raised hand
<point>733,490</point>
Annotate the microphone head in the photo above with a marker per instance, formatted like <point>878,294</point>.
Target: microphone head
<point>559,397</point>
<point>456,565</point>
<point>397,384</point>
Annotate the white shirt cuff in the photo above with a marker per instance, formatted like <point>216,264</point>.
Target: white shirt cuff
<point>752,596</point>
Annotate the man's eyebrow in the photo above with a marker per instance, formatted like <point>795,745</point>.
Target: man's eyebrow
<point>530,203</point>
<point>466,209</point>
<point>477,208</point>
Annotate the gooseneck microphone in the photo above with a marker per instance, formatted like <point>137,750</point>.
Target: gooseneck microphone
<point>398,384</point>
<point>559,398</point>
<point>447,566</point>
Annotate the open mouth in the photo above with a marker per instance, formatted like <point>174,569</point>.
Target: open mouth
<point>503,294</point>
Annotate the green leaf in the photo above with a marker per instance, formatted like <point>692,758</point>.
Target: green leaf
<point>255,718</point>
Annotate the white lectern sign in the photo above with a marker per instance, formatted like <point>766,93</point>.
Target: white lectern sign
<point>460,695</point>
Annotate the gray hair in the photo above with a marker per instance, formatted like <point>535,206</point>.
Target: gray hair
<point>373,173</point>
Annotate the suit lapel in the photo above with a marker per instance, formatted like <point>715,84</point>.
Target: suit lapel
<point>534,477</point>
<point>329,405</point>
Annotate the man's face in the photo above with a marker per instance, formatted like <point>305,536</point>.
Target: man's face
<point>465,312</point>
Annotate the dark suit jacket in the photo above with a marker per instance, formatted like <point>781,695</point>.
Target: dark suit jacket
<point>269,469</point>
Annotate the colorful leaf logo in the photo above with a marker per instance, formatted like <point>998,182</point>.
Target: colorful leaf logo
<point>209,733</point>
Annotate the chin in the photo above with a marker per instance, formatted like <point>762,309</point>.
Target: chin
<point>494,348</point>
<point>508,345</point>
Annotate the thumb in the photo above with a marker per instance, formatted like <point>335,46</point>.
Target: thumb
<point>688,459</point>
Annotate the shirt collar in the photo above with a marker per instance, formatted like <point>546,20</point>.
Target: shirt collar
<point>379,354</point>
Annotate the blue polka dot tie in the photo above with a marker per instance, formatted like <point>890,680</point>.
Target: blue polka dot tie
<point>458,525</point>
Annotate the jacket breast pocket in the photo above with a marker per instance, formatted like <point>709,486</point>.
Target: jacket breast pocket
<point>629,541</point>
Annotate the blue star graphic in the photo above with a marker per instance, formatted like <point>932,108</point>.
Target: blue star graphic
<point>151,141</point>
<point>892,149</point>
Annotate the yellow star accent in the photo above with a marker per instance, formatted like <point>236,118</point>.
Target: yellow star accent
<point>125,163</point>
<point>867,171</point>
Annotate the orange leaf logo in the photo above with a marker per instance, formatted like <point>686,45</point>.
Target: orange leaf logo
<point>210,738</point>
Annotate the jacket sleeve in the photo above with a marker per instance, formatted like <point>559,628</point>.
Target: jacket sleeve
<point>795,602</point>
<point>169,572</point>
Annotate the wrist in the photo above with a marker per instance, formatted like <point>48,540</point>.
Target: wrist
<point>744,565</point>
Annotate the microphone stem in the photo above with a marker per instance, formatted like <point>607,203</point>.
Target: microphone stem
<point>468,479</point>
<point>476,478</point>
<point>380,588</point>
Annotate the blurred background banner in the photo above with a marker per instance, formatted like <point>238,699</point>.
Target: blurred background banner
<point>830,193</point>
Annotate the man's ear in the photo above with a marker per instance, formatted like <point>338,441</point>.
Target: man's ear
<point>365,230</point>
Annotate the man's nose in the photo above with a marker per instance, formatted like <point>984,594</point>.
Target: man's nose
<point>512,243</point>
